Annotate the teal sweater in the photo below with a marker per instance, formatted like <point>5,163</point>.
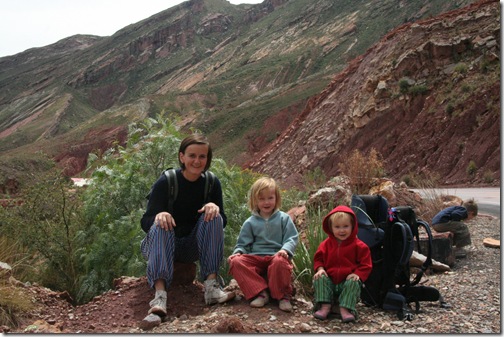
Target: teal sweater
<point>259,236</point>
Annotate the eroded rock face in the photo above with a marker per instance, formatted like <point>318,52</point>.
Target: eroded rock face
<point>423,97</point>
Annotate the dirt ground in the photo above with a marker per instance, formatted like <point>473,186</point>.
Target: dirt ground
<point>472,287</point>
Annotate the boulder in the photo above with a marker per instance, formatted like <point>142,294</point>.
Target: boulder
<point>442,247</point>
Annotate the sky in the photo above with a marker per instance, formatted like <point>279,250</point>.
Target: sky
<point>26,24</point>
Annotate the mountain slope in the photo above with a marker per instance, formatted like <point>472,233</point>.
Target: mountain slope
<point>240,74</point>
<point>427,97</point>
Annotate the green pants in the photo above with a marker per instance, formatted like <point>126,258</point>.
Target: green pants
<point>346,293</point>
<point>461,234</point>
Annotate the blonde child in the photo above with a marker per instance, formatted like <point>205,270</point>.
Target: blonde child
<point>341,262</point>
<point>261,261</point>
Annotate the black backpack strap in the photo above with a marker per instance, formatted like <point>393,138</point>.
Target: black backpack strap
<point>171,178</point>
<point>428,260</point>
<point>209,183</point>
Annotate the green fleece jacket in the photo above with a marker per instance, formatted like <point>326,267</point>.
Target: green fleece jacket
<point>259,236</point>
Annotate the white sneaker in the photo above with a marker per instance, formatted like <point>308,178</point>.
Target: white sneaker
<point>158,304</point>
<point>214,294</point>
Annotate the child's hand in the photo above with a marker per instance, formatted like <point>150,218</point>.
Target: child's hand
<point>321,272</point>
<point>283,253</point>
<point>233,256</point>
<point>352,277</point>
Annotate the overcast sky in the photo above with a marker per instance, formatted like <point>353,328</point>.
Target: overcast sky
<point>26,24</point>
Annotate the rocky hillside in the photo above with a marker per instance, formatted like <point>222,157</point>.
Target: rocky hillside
<point>426,96</point>
<point>242,74</point>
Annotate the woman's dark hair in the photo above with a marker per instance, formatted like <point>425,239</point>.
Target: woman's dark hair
<point>196,138</point>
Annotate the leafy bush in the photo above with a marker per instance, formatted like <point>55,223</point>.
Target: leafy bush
<point>47,224</point>
<point>115,202</point>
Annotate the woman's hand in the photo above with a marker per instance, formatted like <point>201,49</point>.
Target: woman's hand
<point>165,221</point>
<point>320,272</point>
<point>211,210</point>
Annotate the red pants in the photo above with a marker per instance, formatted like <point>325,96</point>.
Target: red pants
<point>257,273</point>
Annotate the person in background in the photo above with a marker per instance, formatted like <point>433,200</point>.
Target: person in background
<point>261,261</point>
<point>341,263</point>
<point>451,219</point>
<point>193,230</point>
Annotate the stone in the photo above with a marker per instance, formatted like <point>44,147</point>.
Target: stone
<point>442,247</point>
<point>149,322</point>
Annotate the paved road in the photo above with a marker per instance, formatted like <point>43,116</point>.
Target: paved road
<point>488,198</point>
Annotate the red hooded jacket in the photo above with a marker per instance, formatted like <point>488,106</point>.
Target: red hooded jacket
<point>340,259</point>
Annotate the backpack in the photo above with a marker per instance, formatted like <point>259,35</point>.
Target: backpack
<point>171,178</point>
<point>390,235</point>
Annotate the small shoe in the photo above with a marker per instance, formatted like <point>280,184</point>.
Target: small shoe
<point>214,293</point>
<point>460,253</point>
<point>346,315</point>
<point>285,305</point>
<point>158,304</point>
<point>260,301</point>
<point>323,312</point>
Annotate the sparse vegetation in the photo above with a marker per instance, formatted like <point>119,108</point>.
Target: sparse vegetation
<point>362,169</point>
<point>471,168</point>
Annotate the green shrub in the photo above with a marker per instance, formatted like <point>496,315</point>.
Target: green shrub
<point>420,89</point>
<point>314,179</point>
<point>404,86</point>
<point>471,168</point>
<point>488,177</point>
<point>461,68</point>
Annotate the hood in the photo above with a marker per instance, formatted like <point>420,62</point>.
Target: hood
<point>346,209</point>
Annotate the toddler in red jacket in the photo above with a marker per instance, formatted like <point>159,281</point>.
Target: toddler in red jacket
<point>341,263</point>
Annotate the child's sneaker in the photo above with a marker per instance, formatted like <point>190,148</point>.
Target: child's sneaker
<point>261,300</point>
<point>285,305</point>
<point>158,304</point>
<point>323,312</point>
<point>346,315</point>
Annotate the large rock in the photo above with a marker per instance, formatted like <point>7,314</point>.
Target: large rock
<point>442,247</point>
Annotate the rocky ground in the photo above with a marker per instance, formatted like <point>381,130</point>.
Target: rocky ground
<point>471,287</point>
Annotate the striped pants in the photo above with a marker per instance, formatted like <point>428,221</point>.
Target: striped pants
<point>256,273</point>
<point>346,293</point>
<point>161,249</point>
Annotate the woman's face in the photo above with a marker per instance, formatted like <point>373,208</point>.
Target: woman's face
<point>194,159</point>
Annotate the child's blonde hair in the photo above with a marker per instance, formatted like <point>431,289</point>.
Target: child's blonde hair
<point>257,187</point>
<point>336,216</point>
